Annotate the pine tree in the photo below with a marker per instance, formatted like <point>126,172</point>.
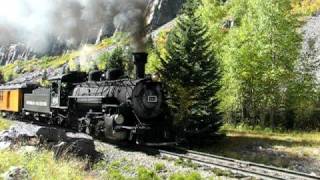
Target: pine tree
<point>190,70</point>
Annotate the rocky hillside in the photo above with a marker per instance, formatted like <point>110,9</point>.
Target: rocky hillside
<point>162,11</point>
<point>310,61</point>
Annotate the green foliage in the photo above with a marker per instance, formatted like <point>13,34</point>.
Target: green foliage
<point>153,62</point>
<point>116,60</point>
<point>4,124</point>
<point>190,70</point>
<point>158,49</point>
<point>214,14</point>
<point>145,174</point>
<point>103,59</point>
<point>41,165</point>
<point>115,175</point>
<point>259,60</point>
<point>159,167</point>
<point>10,77</point>
<point>186,176</point>
<point>186,163</point>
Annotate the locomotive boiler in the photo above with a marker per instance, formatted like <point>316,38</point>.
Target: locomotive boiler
<point>121,108</point>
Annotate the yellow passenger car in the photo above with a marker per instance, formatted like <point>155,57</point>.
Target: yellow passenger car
<point>11,97</point>
<point>11,100</point>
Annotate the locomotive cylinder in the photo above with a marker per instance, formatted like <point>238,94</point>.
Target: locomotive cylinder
<point>140,61</point>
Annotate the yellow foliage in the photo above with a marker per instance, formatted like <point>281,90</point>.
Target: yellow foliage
<point>4,124</point>
<point>305,7</point>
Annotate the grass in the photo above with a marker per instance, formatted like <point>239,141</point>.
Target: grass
<point>186,176</point>
<point>4,124</point>
<point>119,170</point>
<point>307,138</point>
<point>282,149</point>
<point>41,165</point>
<point>159,167</point>
<point>186,163</point>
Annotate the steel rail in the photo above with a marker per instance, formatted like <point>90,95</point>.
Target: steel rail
<point>237,166</point>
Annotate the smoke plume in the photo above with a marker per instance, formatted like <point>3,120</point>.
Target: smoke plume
<point>37,22</point>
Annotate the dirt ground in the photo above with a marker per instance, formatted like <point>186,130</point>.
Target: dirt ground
<point>295,151</point>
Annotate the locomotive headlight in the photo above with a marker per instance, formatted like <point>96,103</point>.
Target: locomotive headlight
<point>155,77</point>
<point>119,119</point>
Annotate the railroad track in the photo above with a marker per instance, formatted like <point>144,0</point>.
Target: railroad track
<point>258,171</point>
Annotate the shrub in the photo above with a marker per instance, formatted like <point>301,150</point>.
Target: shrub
<point>159,167</point>
<point>145,174</point>
<point>187,176</point>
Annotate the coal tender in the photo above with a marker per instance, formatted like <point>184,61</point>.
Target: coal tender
<point>122,109</point>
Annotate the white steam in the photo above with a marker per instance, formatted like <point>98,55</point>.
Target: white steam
<point>37,22</point>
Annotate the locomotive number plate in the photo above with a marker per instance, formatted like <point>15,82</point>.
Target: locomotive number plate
<point>152,99</point>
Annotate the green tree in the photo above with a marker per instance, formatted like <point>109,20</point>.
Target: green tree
<point>190,70</point>
<point>304,93</point>
<point>259,58</point>
<point>116,60</point>
<point>10,77</point>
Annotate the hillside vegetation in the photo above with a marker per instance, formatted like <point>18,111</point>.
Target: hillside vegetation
<point>72,58</point>
<point>265,81</point>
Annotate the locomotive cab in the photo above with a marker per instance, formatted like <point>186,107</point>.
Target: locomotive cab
<point>62,86</point>
<point>46,103</point>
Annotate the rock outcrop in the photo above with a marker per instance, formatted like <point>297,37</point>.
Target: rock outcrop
<point>310,53</point>
<point>17,173</point>
<point>62,141</point>
<point>15,51</point>
<point>162,12</point>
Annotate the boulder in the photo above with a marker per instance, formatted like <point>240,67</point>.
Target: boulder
<point>16,173</point>
<point>82,148</point>
<point>68,143</point>
<point>5,145</point>
<point>16,134</point>
<point>48,134</point>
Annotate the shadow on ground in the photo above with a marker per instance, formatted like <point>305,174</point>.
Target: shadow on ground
<point>300,156</point>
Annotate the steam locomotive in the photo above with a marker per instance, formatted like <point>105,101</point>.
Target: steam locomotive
<point>103,104</point>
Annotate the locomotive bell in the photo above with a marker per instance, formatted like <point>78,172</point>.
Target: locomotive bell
<point>140,61</point>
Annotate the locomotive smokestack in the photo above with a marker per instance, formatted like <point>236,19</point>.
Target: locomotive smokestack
<point>140,61</point>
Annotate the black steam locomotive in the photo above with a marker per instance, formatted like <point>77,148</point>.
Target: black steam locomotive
<point>104,104</point>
